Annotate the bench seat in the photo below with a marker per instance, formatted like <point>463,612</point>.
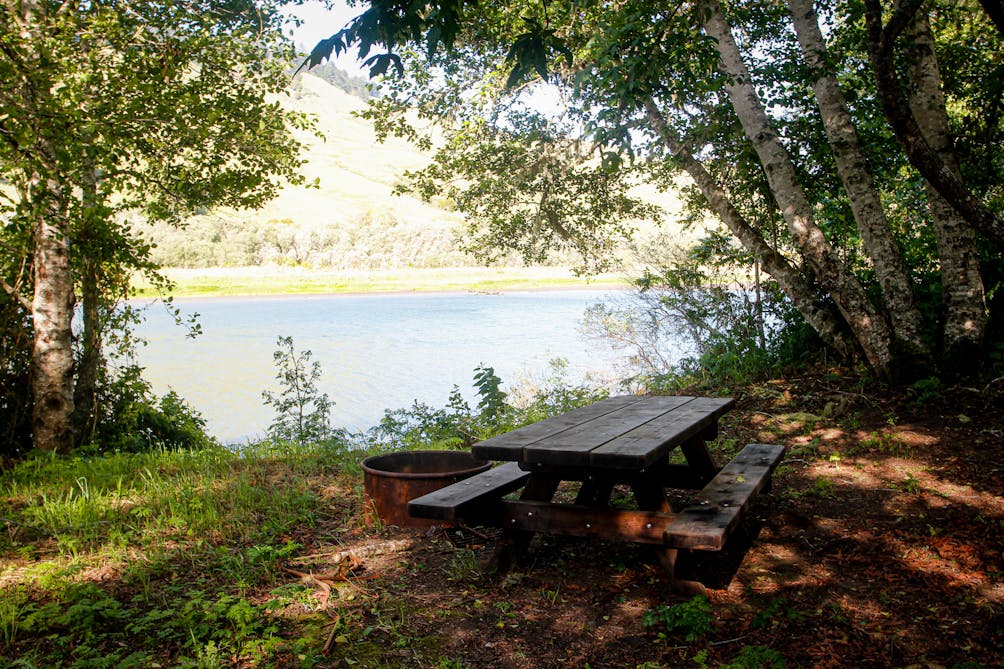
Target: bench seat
<point>707,525</point>
<point>452,502</point>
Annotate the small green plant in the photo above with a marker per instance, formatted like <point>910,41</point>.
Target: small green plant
<point>303,412</point>
<point>463,565</point>
<point>910,485</point>
<point>757,657</point>
<point>822,488</point>
<point>12,606</point>
<point>777,608</point>
<point>885,442</point>
<point>692,619</point>
<point>925,391</point>
<point>446,663</point>
<point>551,596</point>
<point>492,406</point>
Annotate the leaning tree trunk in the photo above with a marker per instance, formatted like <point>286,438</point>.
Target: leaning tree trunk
<point>962,285</point>
<point>927,161</point>
<point>891,270</point>
<point>52,313</point>
<point>869,327</point>
<point>827,324</point>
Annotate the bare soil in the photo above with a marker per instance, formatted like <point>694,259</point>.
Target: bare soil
<point>881,544</point>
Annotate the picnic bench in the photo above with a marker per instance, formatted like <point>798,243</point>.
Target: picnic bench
<point>621,440</point>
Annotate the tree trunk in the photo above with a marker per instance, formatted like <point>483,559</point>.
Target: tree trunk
<point>85,392</point>
<point>827,324</point>
<point>891,270</point>
<point>962,285</point>
<point>52,313</point>
<point>881,41</point>
<point>995,12</point>
<point>869,327</point>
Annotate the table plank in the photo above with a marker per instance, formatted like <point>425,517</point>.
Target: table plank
<point>647,527</point>
<point>649,443</point>
<point>509,446</point>
<point>572,447</point>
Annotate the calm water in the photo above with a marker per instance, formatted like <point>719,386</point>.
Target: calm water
<point>377,351</point>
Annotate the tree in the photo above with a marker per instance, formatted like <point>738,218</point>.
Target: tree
<point>916,143</point>
<point>779,138</point>
<point>302,411</point>
<point>111,110</point>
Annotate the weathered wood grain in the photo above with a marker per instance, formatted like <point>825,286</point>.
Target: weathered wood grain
<point>509,446</point>
<point>450,503</point>
<point>647,527</point>
<point>574,446</point>
<point>649,443</point>
<point>707,525</point>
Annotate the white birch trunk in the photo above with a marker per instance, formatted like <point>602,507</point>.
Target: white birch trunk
<point>869,327</point>
<point>962,285</point>
<point>52,314</point>
<point>891,270</point>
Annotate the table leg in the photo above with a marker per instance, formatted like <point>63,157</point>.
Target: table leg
<point>699,459</point>
<point>667,557</point>
<point>513,546</point>
<point>651,496</point>
<point>595,492</point>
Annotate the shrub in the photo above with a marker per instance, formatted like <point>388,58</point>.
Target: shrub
<point>303,412</point>
<point>693,619</point>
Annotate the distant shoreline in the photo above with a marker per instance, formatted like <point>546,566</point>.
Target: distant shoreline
<point>278,282</point>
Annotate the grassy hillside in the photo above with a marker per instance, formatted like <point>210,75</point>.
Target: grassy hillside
<point>351,222</point>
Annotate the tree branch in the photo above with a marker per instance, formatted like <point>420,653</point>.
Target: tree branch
<point>897,109</point>
<point>817,314</point>
<point>16,295</point>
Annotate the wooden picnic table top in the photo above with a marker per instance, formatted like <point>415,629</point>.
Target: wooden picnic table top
<point>627,432</point>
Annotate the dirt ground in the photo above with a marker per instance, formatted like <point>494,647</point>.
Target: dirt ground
<point>881,544</point>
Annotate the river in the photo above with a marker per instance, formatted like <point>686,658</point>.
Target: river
<point>376,351</point>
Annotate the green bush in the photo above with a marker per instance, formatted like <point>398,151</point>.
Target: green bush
<point>133,419</point>
<point>690,321</point>
<point>692,619</point>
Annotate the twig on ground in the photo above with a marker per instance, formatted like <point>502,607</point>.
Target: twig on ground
<point>473,531</point>
<point>356,554</point>
<point>335,619</point>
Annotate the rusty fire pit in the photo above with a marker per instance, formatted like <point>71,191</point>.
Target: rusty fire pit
<point>393,479</point>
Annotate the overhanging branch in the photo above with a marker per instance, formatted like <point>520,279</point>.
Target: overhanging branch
<point>16,295</point>
<point>908,132</point>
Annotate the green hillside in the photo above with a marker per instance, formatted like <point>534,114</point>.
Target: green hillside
<point>352,221</point>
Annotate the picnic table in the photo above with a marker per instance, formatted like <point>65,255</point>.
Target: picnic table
<point>626,440</point>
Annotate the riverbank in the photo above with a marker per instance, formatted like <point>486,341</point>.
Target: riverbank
<point>878,546</point>
<point>253,281</point>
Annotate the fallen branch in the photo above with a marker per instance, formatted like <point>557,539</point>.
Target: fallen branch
<point>310,579</point>
<point>335,619</point>
<point>475,532</point>
<point>356,554</point>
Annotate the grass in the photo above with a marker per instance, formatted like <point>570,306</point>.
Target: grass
<point>247,281</point>
<point>189,541</point>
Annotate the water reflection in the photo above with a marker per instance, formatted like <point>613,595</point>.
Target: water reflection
<point>377,351</point>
